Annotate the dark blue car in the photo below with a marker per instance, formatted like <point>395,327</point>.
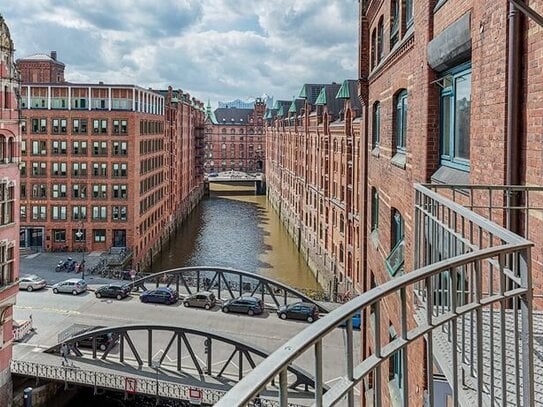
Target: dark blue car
<point>162,295</point>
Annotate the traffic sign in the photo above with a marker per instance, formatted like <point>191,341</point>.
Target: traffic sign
<point>130,384</point>
<point>195,396</point>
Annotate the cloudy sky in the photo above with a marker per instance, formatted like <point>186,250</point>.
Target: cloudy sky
<point>216,49</point>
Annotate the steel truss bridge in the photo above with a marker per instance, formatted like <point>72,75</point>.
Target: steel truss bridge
<point>227,283</point>
<point>191,359</point>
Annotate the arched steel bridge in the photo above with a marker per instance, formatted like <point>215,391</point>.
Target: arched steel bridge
<point>227,283</point>
<point>218,357</point>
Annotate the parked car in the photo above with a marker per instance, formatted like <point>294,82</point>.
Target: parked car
<point>213,174</point>
<point>102,341</point>
<point>299,310</point>
<point>247,305</point>
<point>73,285</point>
<point>162,295</point>
<point>202,299</point>
<point>113,291</point>
<point>31,283</point>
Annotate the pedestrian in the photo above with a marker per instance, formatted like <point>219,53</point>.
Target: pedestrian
<point>64,354</point>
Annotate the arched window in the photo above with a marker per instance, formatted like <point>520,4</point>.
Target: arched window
<point>400,123</point>
<point>376,125</point>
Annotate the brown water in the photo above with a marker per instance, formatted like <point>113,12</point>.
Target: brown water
<point>235,228</point>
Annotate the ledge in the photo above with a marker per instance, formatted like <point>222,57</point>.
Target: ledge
<point>399,160</point>
<point>376,152</point>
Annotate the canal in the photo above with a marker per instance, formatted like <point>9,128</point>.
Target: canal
<point>231,228</point>
<point>235,228</point>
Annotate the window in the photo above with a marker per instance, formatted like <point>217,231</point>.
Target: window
<point>376,125</point>
<point>79,191</point>
<point>58,212</point>
<point>55,126</point>
<point>23,212</point>
<point>79,126</point>
<point>409,13</point>
<point>99,191</point>
<point>79,212</point>
<point>119,148</point>
<point>99,213</point>
<point>455,119</point>
<point>394,23</point>
<point>395,259</point>
<point>124,126</point>
<point>39,148</point>
<point>7,197</point>
<point>103,126</point>
<point>79,169</point>
<point>79,147</point>
<point>116,126</point>
<point>119,213</point>
<point>96,126</point>
<point>59,235</point>
<point>119,191</point>
<point>99,235</point>
<point>58,147</point>
<point>39,212</point>
<point>99,169</point>
<point>120,169</point>
<point>99,147</point>
<point>374,209</point>
<point>380,39</point>
<point>59,191</point>
<point>395,362</point>
<point>400,125</point>
<point>59,169</point>
<point>39,169</point>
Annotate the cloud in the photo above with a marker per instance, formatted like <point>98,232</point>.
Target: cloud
<point>216,49</point>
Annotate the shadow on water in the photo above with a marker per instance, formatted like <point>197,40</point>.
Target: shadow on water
<point>235,228</point>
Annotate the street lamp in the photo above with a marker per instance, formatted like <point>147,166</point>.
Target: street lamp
<point>79,234</point>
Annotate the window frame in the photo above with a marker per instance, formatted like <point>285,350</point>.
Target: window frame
<point>376,125</point>
<point>401,108</point>
<point>450,159</point>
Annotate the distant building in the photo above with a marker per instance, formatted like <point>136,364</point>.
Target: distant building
<point>115,162</point>
<point>313,179</point>
<point>41,68</point>
<point>234,139</point>
<point>238,104</point>
<point>9,197</point>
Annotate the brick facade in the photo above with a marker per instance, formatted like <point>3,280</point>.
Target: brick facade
<point>9,197</point>
<point>100,159</point>
<point>313,180</point>
<point>234,139</point>
<point>401,57</point>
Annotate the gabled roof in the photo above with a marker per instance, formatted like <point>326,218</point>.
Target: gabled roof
<point>270,114</point>
<point>327,97</point>
<point>310,92</point>
<point>349,91</point>
<point>282,106</point>
<point>225,115</point>
<point>296,106</point>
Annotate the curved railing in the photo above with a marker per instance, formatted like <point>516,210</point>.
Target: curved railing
<point>472,311</point>
<point>227,283</point>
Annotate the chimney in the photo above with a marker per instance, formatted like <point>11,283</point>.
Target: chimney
<point>54,55</point>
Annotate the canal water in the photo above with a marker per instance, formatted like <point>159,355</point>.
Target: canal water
<point>231,228</point>
<point>235,228</point>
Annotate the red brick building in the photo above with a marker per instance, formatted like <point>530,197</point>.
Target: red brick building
<point>234,139</point>
<point>41,68</point>
<point>99,158</point>
<point>9,197</point>
<point>434,89</point>
<point>313,179</point>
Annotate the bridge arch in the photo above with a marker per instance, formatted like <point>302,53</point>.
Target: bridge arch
<point>228,283</point>
<point>202,348</point>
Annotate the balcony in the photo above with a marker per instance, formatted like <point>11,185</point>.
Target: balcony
<point>469,296</point>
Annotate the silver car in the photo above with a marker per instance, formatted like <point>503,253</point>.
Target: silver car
<point>73,285</point>
<point>31,283</point>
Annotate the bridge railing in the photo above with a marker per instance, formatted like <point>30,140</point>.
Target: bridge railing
<point>469,298</point>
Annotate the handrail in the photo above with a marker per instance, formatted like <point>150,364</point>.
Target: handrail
<point>250,386</point>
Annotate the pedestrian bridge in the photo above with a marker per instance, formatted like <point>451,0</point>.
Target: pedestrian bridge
<point>238,177</point>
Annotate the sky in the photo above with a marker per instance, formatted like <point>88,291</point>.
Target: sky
<point>213,49</point>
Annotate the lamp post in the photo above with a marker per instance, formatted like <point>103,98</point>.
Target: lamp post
<point>79,234</point>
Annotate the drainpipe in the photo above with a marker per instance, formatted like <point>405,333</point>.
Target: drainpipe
<point>513,122</point>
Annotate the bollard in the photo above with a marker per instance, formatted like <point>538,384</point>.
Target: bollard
<point>27,397</point>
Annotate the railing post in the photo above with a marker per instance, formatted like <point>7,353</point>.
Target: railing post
<point>349,355</point>
<point>527,329</point>
<point>283,389</point>
<point>429,344</point>
<point>377,351</point>
<point>318,374</point>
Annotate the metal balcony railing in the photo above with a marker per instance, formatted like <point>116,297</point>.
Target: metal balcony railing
<point>469,297</point>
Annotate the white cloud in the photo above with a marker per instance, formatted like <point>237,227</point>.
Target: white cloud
<point>216,49</point>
